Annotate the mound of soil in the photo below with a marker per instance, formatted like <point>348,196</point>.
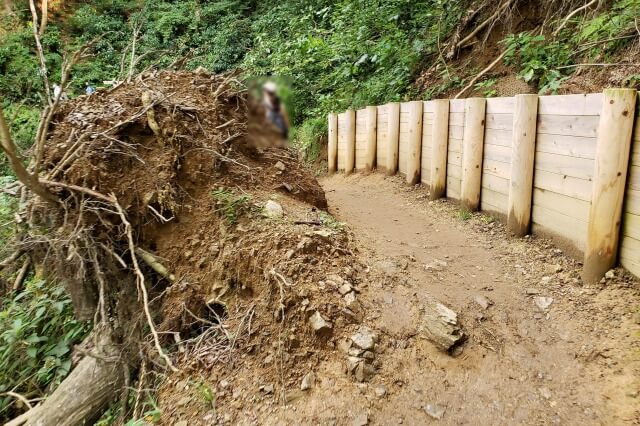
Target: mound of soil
<point>236,288</point>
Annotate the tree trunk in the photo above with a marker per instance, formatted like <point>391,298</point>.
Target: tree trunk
<point>44,18</point>
<point>86,392</point>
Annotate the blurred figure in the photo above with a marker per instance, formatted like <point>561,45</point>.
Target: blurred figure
<point>90,90</point>
<point>57,92</point>
<point>275,109</point>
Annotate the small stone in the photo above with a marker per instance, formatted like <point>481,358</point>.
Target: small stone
<point>350,298</point>
<point>482,301</point>
<point>344,289</point>
<point>289,255</point>
<point>181,423</point>
<point>319,324</point>
<point>280,166</point>
<point>364,372</point>
<point>545,392</point>
<point>183,401</point>
<point>543,302</point>
<point>308,381</point>
<point>268,389</point>
<point>545,280</point>
<point>611,274</point>
<point>435,411</point>
<point>361,420</point>
<point>273,210</point>
<point>365,338</point>
<point>323,233</point>
<point>355,352</point>
<point>224,384</point>
<point>532,291</point>
<point>268,359</point>
<point>552,269</point>
<point>380,391</point>
<point>368,355</point>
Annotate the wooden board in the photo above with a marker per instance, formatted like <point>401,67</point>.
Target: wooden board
<point>342,143</point>
<point>382,145</point>
<point>569,125</point>
<point>493,201</point>
<point>499,121</point>
<point>496,168</point>
<point>631,225</point>
<point>427,127</point>
<point>498,137</point>
<point>453,187</point>
<point>581,168</point>
<point>361,139</point>
<point>497,152</point>
<point>572,146</point>
<point>562,184</point>
<point>495,184</point>
<point>630,255</point>
<point>568,206</point>
<point>632,202</point>
<point>456,105</point>
<point>590,104</point>
<point>500,105</point>
<point>403,141</point>
<point>561,225</point>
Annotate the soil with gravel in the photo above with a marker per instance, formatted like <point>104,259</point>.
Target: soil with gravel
<point>541,348</point>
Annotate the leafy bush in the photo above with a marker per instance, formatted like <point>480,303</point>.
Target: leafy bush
<point>230,206</point>
<point>539,61</point>
<point>305,138</point>
<point>37,331</point>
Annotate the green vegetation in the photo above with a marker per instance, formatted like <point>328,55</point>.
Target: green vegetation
<point>37,332</point>
<point>231,206</point>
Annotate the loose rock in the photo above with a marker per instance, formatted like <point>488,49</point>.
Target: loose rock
<point>435,411</point>
<point>365,338</point>
<point>273,210</point>
<point>361,420</point>
<point>543,302</point>
<point>380,391</point>
<point>308,381</point>
<point>482,301</point>
<point>319,324</point>
<point>440,325</point>
<point>280,166</point>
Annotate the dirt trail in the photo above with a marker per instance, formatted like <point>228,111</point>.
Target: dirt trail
<point>577,362</point>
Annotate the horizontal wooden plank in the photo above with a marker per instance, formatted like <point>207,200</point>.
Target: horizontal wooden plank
<point>500,105</point>
<point>562,225</point>
<point>456,132</point>
<point>568,206</point>
<point>581,168</point>
<point>429,106</point>
<point>631,225</point>
<point>454,145</point>
<point>453,170</point>
<point>499,121</point>
<point>497,168</point>
<point>498,137</point>
<point>495,183</point>
<point>497,152</point>
<point>494,201</point>
<point>629,262</point>
<point>456,119</point>
<point>590,104</point>
<point>455,158</point>
<point>573,146</point>
<point>453,188</point>
<point>562,184</point>
<point>632,202</point>
<point>456,105</point>
<point>634,178</point>
<point>569,125</point>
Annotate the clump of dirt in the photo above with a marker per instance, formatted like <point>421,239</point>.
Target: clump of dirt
<point>228,230</point>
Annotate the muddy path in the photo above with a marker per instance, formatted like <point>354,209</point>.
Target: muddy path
<point>575,361</point>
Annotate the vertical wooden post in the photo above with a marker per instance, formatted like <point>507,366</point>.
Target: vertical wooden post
<point>472,149</point>
<point>393,137</point>
<point>332,153</point>
<point>439,148</point>
<point>415,142</point>
<point>523,149</point>
<point>350,141</point>
<point>609,179</point>
<point>372,134</point>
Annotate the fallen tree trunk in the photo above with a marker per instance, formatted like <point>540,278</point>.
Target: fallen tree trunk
<point>86,392</point>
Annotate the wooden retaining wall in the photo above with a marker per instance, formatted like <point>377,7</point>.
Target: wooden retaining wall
<point>558,188</point>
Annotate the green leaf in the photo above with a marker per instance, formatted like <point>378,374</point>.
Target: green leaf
<point>32,351</point>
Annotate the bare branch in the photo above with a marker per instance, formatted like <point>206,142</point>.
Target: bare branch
<point>43,64</point>
<point>10,149</point>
